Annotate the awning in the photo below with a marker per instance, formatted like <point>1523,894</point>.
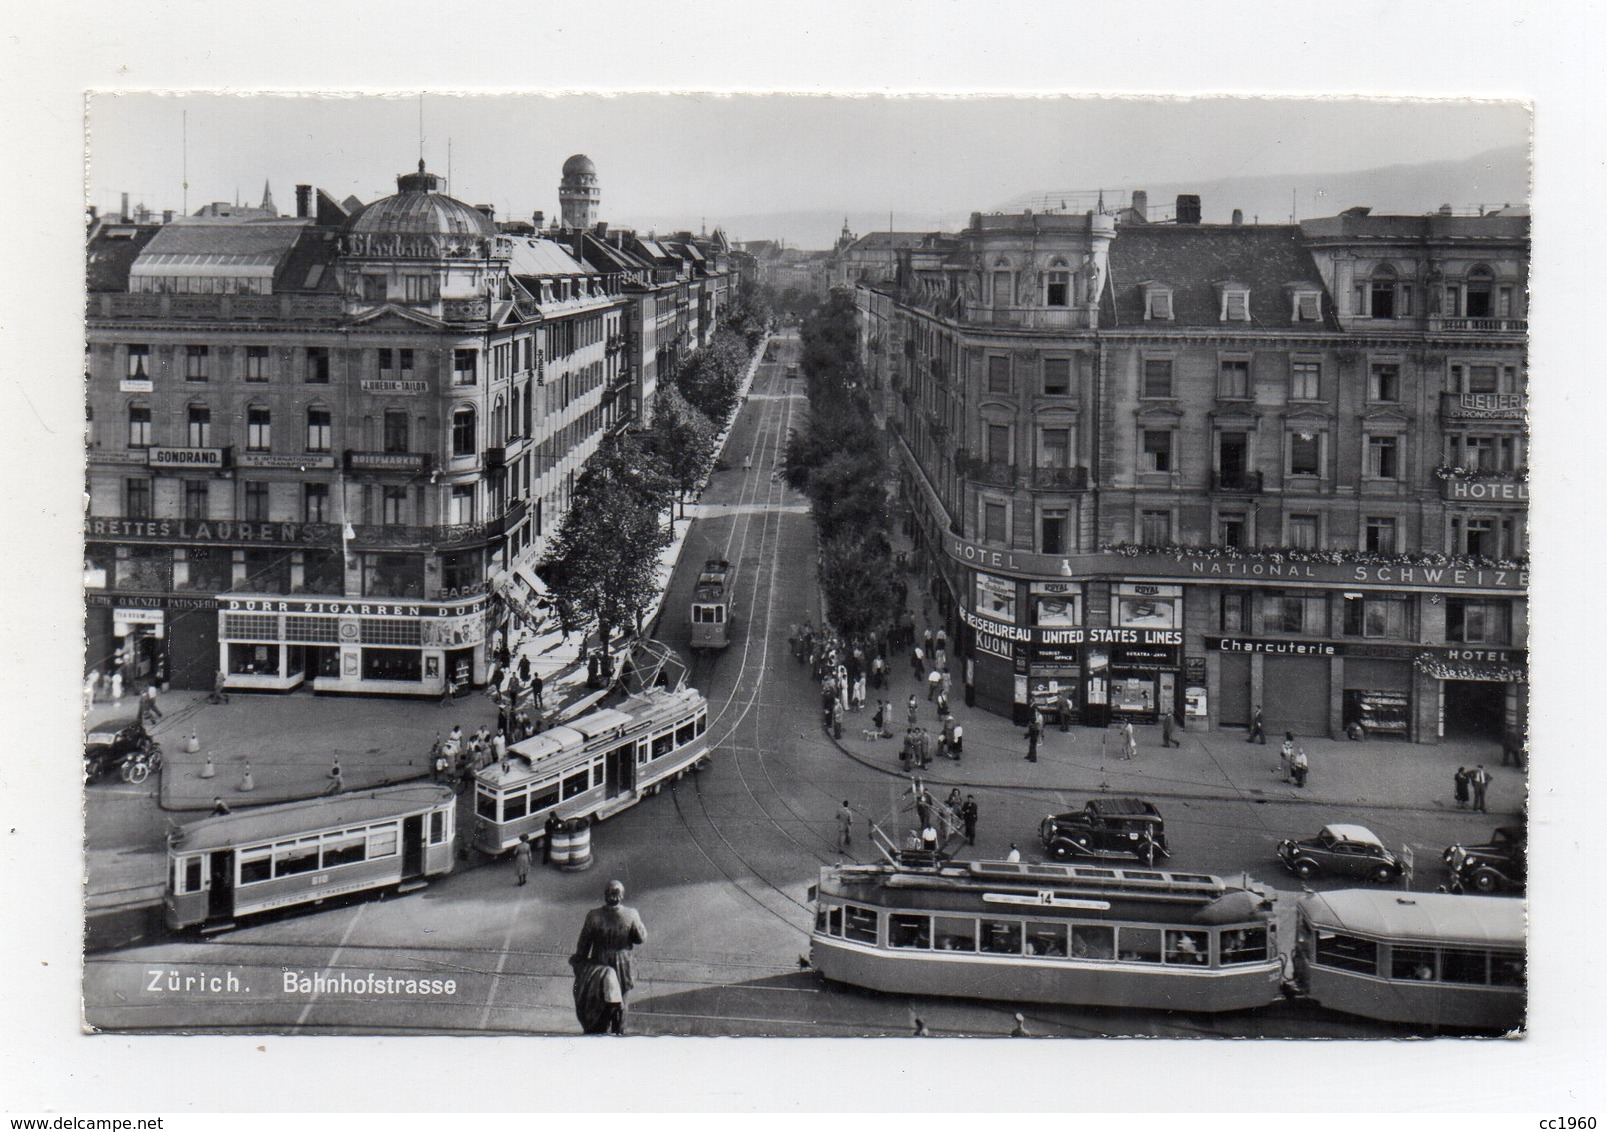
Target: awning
<point>523,592</point>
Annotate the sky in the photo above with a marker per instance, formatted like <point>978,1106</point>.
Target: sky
<point>686,160</point>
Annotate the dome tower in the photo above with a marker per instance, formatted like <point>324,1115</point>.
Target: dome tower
<point>579,193</point>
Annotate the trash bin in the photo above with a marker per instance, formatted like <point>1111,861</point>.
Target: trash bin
<point>578,857</point>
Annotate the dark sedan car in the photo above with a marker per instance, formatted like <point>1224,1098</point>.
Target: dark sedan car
<point>1499,865</point>
<point>110,742</point>
<point>1341,851</point>
<point>1106,828</point>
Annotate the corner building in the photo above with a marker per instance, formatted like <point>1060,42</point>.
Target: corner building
<point>1200,468</point>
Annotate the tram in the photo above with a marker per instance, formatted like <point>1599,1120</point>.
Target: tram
<point>224,867</point>
<point>1424,957</point>
<point>593,766</point>
<point>713,605</point>
<point>1069,934</point>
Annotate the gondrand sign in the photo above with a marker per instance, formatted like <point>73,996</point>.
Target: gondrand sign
<point>1201,567</point>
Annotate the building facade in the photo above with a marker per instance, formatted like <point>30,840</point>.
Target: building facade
<point>326,451</point>
<point>1205,468</point>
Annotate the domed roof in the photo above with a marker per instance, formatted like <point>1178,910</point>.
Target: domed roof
<point>421,209</point>
<point>579,166</point>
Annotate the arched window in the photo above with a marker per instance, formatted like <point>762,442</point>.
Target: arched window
<point>1478,300</point>
<point>463,438</point>
<point>1057,290</point>
<point>1003,291</point>
<point>1381,292</point>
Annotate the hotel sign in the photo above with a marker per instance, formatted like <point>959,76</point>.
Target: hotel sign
<point>214,459</point>
<point>1487,491</point>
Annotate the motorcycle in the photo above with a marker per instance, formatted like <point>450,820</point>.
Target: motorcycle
<point>140,762</point>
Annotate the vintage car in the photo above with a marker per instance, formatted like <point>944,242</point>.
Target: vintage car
<point>1499,865</point>
<point>110,742</point>
<point>1106,828</point>
<point>1341,851</point>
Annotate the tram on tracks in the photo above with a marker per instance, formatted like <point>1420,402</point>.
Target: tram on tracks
<point>228,866</point>
<point>1451,961</point>
<point>713,606</point>
<point>1068,934</point>
<point>594,766</point>
<point>1083,936</point>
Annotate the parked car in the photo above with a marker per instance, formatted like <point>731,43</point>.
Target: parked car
<point>1106,828</point>
<point>109,743</point>
<point>1341,851</point>
<point>1499,865</point>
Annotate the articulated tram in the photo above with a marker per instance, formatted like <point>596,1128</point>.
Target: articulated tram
<point>592,767</point>
<point>713,605</point>
<point>1077,935</point>
<point>232,865</point>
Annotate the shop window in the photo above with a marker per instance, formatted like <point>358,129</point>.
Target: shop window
<point>1305,381</point>
<point>320,430</point>
<point>1379,535</point>
<point>1155,528</point>
<point>1141,606</point>
<point>253,660</point>
<point>139,426</point>
<point>1380,616</point>
<point>315,503</point>
<point>1384,457</point>
<point>998,374</point>
<point>317,369</point>
<point>259,429</point>
<point>1474,622</point>
<point>995,526</point>
<point>1056,376</point>
<point>200,426</point>
<point>1157,377</point>
<point>1384,382</point>
<point>195,499</point>
<point>393,575</point>
<point>396,426</point>
<point>393,664</point>
<point>197,363</point>
<point>996,597</point>
<point>146,569</point>
<point>1157,451</point>
<point>1056,605</point>
<point>256,363</point>
<point>1305,454</point>
<point>255,496</point>
<point>463,432</point>
<point>1233,378</point>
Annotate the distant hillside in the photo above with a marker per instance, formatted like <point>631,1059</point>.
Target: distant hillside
<point>1492,179</point>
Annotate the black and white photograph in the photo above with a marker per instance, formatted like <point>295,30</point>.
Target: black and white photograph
<point>1020,569</point>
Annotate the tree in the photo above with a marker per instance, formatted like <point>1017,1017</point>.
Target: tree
<point>856,578</point>
<point>681,436</point>
<point>709,377</point>
<point>602,563</point>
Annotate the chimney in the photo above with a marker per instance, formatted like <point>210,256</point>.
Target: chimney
<point>1141,204</point>
<point>1188,208</point>
<point>539,217</point>
<point>167,216</point>
<point>1238,217</point>
<point>303,201</point>
<point>602,229</point>
<point>124,213</point>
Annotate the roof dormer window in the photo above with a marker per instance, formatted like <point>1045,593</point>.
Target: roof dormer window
<point>1305,305</point>
<point>1157,302</point>
<point>1233,301</point>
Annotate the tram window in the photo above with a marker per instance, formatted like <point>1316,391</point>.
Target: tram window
<point>702,724</point>
<point>1347,953</point>
<point>513,805</point>
<point>861,924</point>
<point>1139,945</point>
<point>382,842</point>
<point>1132,874</point>
<point>685,733</point>
<point>1046,939</point>
<point>1001,937</point>
<point>954,934</point>
<point>1106,874</point>
<point>1092,941</point>
<point>256,865</point>
<point>1464,966</point>
<point>545,800</point>
<point>485,804</point>
<point>1506,969</point>
<point>643,752</point>
<point>834,920</point>
<point>437,827</point>
<point>1244,945</point>
<point>663,744</point>
<point>1187,947</point>
<point>187,874</point>
<point>1412,963</point>
<point>906,930</point>
<point>596,774</point>
<point>345,849</point>
<point>577,783</point>
<point>292,859</point>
